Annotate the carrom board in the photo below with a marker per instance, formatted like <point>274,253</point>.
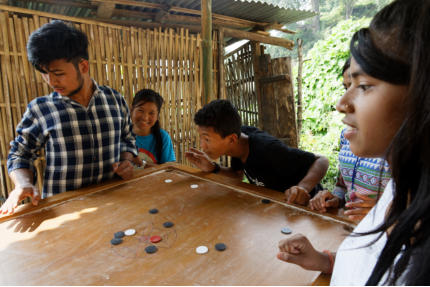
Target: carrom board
<point>66,239</point>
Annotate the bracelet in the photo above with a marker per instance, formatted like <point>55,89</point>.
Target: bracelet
<point>217,168</point>
<point>331,258</point>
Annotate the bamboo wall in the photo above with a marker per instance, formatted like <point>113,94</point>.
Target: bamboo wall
<point>240,84</point>
<point>127,59</point>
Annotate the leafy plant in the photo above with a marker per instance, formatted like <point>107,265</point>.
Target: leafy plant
<point>322,88</point>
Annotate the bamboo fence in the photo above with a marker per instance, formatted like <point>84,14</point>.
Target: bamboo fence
<point>240,83</point>
<point>125,58</point>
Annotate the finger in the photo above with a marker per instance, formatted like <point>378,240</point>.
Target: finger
<point>124,165</point>
<point>196,150</point>
<point>189,153</point>
<point>356,217</point>
<point>357,211</point>
<point>126,172</point>
<point>36,197</point>
<point>303,197</point>
<point>292,195</point>
<point>360,204</point>
<point>290,258</point>
<point>312,204</point>
<point>10,207</point>
<point>115,166</point>
<point>322,202</point>
<point>283,245</point>
<point>334,202</point>
<point>365,197</point>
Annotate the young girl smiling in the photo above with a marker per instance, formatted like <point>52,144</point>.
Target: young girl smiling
<point>153,143</point>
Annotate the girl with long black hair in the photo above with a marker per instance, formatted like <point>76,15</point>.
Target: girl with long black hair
<point>153,143</point>
<point>387,111</point>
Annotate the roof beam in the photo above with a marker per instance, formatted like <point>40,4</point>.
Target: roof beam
<point>259,38</point>
<point>182,10</point>
<point>105,10</point>
<point>135,14</point>
<point>64,3</point>
<point>279,27</point>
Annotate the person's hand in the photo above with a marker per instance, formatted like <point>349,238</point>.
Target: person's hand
<point>200,159</point>
<point>323,200</point>
<point>124,169</point>
<point>297,194</point>
<point>298,250</point>
<point>137,161</point>
<point>19,194</point>
<point>358,209</point>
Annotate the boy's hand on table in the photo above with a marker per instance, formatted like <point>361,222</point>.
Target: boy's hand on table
<point>19,194</point>
<point>297,194</point>
<point>124,169</point>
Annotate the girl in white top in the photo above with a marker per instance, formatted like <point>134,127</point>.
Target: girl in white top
<point>387,111</point>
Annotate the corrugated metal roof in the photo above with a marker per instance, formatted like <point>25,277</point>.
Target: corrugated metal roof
<point>252,10</point>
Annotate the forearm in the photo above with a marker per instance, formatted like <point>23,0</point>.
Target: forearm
<point>315,173</point>
<point>21,177</point>
<point>125,155</point>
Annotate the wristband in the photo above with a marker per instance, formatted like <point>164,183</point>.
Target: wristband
<point>217,168</point>
<point>331,258</point>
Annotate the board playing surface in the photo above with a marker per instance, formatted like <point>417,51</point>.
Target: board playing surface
<point>67,241</point>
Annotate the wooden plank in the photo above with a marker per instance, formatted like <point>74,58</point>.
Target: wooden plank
<point>105,9</point>
<point>259,38</point>
<point>17,71</point>
<point>7,74</point>
<point>275,78</point>
<point>207,75</point>
<point>299,88</point>
<point>221,91</point>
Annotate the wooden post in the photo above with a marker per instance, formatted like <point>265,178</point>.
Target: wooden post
<point>256,52</point>
<point>299,89</point>
<point>258,37</point>
<point>278,116</point>
<point>221,86</point>
<point>207,50</point>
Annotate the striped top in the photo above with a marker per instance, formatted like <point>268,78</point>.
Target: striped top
<point>363,173</point>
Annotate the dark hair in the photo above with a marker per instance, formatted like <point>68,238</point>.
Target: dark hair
<point>346,65</point>
<point>221,115</point>
<point>149,96</point>
<point>56,40</point>
<point>394,49</point>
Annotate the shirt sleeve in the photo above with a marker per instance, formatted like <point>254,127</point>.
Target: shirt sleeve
<point>294,163</point>
<point>29,140</point>
<point>168,154</point>
<point>128,141</point>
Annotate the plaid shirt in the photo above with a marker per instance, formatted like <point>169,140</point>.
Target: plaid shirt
<point>81,143</point>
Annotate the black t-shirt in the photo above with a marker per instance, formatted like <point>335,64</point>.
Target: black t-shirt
<point>271,163</point>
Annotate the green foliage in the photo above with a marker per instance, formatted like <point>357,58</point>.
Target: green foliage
<point>322,87</point>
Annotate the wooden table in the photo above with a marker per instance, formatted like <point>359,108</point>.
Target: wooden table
<point>66,239</point>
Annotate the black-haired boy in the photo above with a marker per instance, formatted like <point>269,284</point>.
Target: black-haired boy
<point>84,128</point>
<point>264,159</point>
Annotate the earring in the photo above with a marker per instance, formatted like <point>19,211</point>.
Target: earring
<point>346,107</point>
